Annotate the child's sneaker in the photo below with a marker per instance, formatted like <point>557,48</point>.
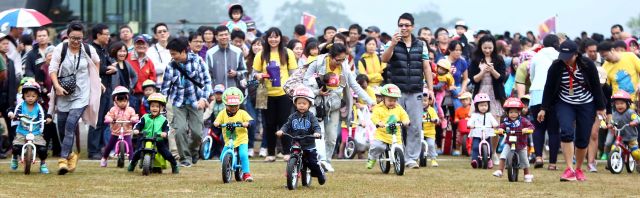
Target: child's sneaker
<point>434,163</point>
<point>263,152</point>
<point>604,156</point>
<point>568,175</point>
<point>44,169</point>
<point>327,166</point>
<point>370,164</point>
<point>497,173</point>
<point>247,177</point>
<point>322,179</point>
<point>132,166</point>
<point>14,164</point>
<point>250,151</point>
<point>62,166</point>
<point>580,175</point>
<point>103,162</point>
<point>528,178</point>
<point>593,167</point>
<point>474,164</point>
<point>174,169</point>
<point>456,153</point>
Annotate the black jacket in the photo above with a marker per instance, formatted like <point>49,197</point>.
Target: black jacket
<point>32,63</point>
<point>302,124</point>
<point>405,67</point>
<point>554,77</point>
<point>498,84</point>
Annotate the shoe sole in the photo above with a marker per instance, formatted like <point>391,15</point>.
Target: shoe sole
<point>63,171</point>
<point>568,179</point>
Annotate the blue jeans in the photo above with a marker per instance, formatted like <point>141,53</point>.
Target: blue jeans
<point>68,122</point>
<point>583,115</point>
<point>476,144</point>
<point>244,157</point>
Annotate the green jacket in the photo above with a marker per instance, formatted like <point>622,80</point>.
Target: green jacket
<point>148,126</point>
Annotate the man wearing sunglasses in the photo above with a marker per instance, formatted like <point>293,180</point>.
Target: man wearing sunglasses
<point>408,68</point>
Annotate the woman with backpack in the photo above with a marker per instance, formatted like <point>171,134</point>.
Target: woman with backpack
<point>330,76</point>
<point>370,63</point>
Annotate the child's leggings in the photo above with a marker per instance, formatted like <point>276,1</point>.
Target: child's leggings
<point>376,148</point>
<point>162,147</point>
<point>41,151</point>
<point>431,143</point>
<point>112,143</point>
<point>310,160</point>
<point>244,156</point>
<point>476,145</point>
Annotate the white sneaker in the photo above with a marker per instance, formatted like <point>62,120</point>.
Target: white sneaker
<point>250,152</point>
<point>593,167</point>
<point>528,178</point>
<point>327,166</point>
<point>497,173</point>
<point>263,152</point>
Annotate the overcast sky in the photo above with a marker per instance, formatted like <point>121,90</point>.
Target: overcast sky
<point>495,15</point>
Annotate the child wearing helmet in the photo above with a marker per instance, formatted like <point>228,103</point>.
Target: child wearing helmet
<point>232,98</point>
<point>303,99</point>
<point>481,121</point>
<point>622,115</point>
<point>235,14</point>
<point>349,124</point>
<point>514,121</point>
<point>429,121</point>
<point>154,123</point>
<point>387,112</point>
<point>445,83</point>
<point>210,114</point>
<point>148,88</point>
<point>29,110</point>
<point>121,111</point>
<point>460,118</point>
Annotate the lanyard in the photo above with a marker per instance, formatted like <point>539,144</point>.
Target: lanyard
<point>572,70</point>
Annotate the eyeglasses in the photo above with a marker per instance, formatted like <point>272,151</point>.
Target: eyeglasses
<point>339,60</point>
<point>73,38</point>
<point>194,41</point>
<point>162,31</point>
<point>404,25</point>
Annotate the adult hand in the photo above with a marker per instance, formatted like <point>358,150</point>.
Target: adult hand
<point>541,115</point>
<point>49,120</point>
<point>163,134</point>
<point>324,93</point>
<point>60,91</point>
<point>395,39</point>
<point>279,133</point>
<point>602,113</point>
<point>232,73</point>
<point>202,104</point>
<point>103,88</point>
<point>111,69</point>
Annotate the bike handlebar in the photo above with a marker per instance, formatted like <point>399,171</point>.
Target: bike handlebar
<point>232,124</point>
<point>301,136</point>
<point>21,116</point>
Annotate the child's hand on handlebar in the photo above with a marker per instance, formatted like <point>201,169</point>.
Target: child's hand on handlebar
<point>279,133</point>
<point>406,123</point>
<point>633,123</point>
<point>216,124</point>
<point>380,124</point>
<point>163,134</point>
<point>317,135</point>
<point>245,124</point>
<point>48,120</point>
<point>527,130</point>
<point>11,115</point>
<point>610,126</point>
<point>500,131</point>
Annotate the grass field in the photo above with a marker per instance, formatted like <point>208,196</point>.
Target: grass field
<point>454,178</point>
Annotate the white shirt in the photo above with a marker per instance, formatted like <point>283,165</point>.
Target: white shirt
<point>160,57</point>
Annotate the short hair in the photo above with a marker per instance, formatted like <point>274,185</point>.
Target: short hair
<point>551,40</point>
<point>115,47</point>
<point>618,26</point>
<point>336,49</point>
<point>406,16</point>
<point>597,37</point>
<point>125,27</point>
<point>27,39</point>
<point>194,36</point>
<point>75,26</point>
<point>620,44</point>
<point>221,28</point>
<point>362,78</point>
<point>329,28</point>
<point>292,43</point>
<point>357,27</point>
<point>155,27</point>
<point>237,34</point>
<point>440,29</point>
<point>587,43</point>
<point>309,47</point>
<point>605,46</point>
<point>178,45</point>
<point>97,29</point>
<point>40,29</point>
<point>300,30</point>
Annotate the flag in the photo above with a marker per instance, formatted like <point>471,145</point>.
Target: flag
<point>548,27</point>
<point>309,22</point>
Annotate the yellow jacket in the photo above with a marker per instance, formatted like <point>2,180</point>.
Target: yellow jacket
<point>429,128</point>
<point>380,114</point>
<point>373,70</point>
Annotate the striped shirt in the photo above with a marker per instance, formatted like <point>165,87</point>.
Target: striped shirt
<point>580,94</point>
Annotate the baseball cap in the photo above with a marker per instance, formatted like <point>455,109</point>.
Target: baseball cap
<point>141,38</point>
<point>567,49</point>
<point>219,88</point>
<point>251,25</point>
<point>373,29</point>
<point>461,24</point>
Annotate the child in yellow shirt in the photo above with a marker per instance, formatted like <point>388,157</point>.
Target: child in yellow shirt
<point>387,112</point>
<point>429,122</point>
<point>445,83</point>
<point>232,98</point>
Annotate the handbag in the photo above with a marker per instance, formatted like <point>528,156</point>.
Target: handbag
<point>261,96</point>
<point>68,83</point>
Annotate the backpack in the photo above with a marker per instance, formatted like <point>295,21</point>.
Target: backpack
<point>65,46</point>
<point>296,79</point>
<point>364,63</point>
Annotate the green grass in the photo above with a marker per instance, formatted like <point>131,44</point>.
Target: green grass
<point>454,178</point>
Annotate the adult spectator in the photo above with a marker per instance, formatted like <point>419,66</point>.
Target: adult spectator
<point>538,71</point>
<point>8,86</point>
<point>72,102</point>
<point>425,34</point>
<point>459,71</point>
<point>14,52</point>
<point>354,44</point>
<point>238,40</point>
<point>442,43</point>
<point>300,33</point>
<point>125,75</point>
<point>188,85</point>
<point>35,58</point>
<point>572,88</point>
<point>126,36</point>
<point>370,63</point>
<point>616,32</point>
<point>225,61</point>
<point>99,135</point>
<point>408,69</point>
<point>196,45</point>
<point>144,68</point>
<point>327,36</point>
<point>622,69</point>
<point>158,53</point>
<point>590,49</point>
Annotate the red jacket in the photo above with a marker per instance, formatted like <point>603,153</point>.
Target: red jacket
<point>147,71</point>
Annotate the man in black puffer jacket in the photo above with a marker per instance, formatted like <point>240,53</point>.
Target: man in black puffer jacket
<point>408,67</point>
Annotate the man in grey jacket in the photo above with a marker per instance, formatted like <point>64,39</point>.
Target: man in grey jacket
<point>225,61</point>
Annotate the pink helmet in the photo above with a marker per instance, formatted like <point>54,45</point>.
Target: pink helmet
<point>513,103</point>
<point>621,95</point>
<point>303,92</point>
<point>481,97</point>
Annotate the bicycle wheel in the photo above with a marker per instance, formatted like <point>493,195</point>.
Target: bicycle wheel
<point>292,173</point>
<point>121,151</point>
<point>306,176</point>
<point>399,161</point>
<point>350,149</point>
<point>631,164</point>
<point>28,160</point>
<point>512,166</point>
<point>485,157</point>
<point>615,162</point>
<point>146,164</point>
<point>226,168</point>
<point>237,173</point>
<point>385,165</point>
<point>206,149</point>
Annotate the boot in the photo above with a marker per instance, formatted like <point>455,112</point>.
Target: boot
<point>62,166</point>
<point>72,162</point>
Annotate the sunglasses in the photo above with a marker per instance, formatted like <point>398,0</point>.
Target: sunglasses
<point>404,25</point>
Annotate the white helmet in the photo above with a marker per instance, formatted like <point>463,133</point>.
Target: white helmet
<point>303,92</point>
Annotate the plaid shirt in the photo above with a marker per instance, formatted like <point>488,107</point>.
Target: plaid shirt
<point>181,90</point>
